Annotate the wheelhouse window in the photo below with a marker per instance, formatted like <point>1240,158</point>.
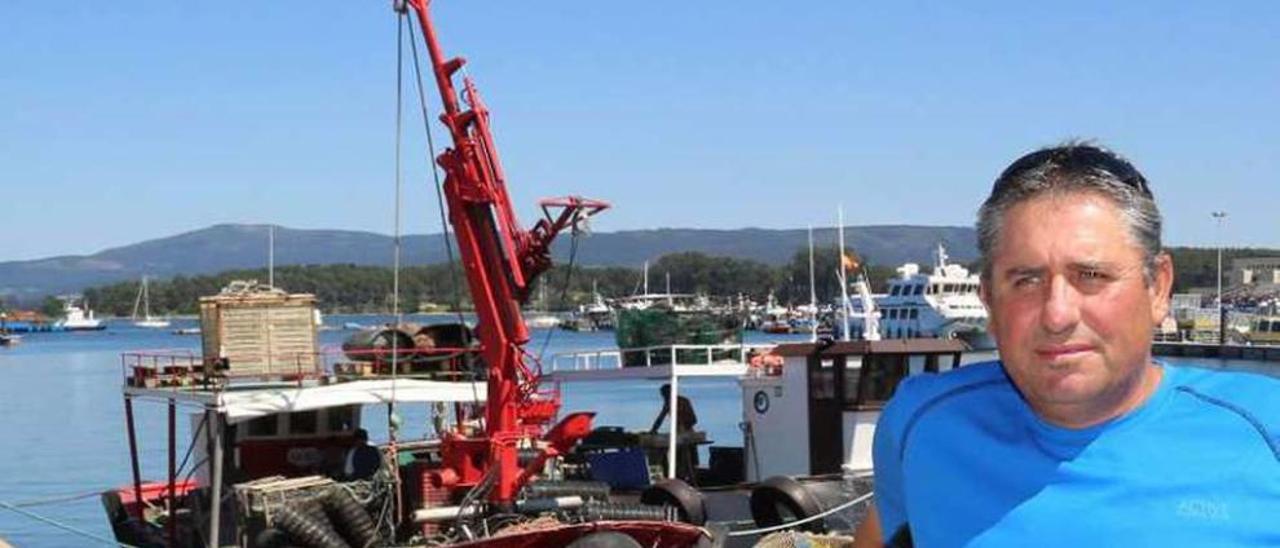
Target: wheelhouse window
<point>263,427</point>
<point>880,376</point>
<point>341,419</point>
<point>304,422</point>
<point>822,381</point>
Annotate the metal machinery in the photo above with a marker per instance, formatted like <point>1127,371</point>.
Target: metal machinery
<point>501,261</point>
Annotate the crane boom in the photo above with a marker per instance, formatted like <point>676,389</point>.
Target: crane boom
<point>501,261</point>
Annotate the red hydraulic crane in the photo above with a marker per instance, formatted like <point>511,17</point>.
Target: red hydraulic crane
<point>501,261</point>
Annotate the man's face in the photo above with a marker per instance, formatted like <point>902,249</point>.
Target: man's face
<point>1070,309</point>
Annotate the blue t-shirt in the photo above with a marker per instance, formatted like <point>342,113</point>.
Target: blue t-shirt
<point>963,460</point>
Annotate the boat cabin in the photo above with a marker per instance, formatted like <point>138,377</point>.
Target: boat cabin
<point>815,412</point>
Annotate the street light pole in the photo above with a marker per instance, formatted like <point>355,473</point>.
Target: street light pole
<point>1219,216</point>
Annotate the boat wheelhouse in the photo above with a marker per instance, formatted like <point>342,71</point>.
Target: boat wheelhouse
<point>816,407</point>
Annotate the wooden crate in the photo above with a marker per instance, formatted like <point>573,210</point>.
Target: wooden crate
<point>258,331</point>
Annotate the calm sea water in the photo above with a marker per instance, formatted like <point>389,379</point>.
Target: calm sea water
<point>63,429</point>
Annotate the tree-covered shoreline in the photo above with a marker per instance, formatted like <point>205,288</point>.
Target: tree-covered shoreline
<point>347,288</point>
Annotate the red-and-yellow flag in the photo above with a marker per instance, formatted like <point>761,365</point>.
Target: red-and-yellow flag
<point>849,260</point>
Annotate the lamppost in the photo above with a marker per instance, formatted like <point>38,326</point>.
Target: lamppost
<point>1219,216</point>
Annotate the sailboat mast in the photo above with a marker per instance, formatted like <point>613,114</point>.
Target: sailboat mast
<point>137,301</point>
<point>670,299</point>
<point>844,287</point>
<point>271,255</point>
<point>646,277</point>
<point>813,293</point>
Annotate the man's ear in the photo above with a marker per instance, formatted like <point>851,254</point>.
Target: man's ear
<point>1161,287</point>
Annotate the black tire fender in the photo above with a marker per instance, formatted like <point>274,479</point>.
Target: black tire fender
<point>783,492</point>
<point>308,530</point>
<point>675,492</point>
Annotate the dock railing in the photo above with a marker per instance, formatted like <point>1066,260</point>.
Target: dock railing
<point>185,369</point>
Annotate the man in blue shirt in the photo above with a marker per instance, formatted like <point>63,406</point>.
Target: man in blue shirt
<point>1077,436</point>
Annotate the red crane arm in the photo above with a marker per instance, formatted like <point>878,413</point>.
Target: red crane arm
<point>501,261</point>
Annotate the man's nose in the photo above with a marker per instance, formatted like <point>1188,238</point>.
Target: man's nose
<point>1061,309</point>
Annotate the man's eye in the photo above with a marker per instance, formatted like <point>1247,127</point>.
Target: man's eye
<point>1025,281</point>
<point>1094,275</point>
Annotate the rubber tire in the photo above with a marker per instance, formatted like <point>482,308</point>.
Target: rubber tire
<point>688,501</point>
<point>605,539</point>
<point>308,530</point>
<point>784,492</point>
<point>270,537</point>
<point>349,518</point>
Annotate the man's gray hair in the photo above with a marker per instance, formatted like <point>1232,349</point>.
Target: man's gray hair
<point>1072,167</point>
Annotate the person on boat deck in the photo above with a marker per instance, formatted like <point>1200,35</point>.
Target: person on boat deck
<point>687,454</point>
<point>686,417</point>
<point>362,460</point>
<point>1076,436</point>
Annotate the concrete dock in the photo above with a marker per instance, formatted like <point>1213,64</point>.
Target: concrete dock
<point>1269,353</point>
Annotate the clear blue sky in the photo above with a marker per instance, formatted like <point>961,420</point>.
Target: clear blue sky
<point>124,121</point>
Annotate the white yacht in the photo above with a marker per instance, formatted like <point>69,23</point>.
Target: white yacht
<point>943,304</point>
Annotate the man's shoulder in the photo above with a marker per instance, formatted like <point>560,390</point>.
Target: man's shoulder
<point>1252,395</point>
<point>919,393</point>
<point>927,387</point>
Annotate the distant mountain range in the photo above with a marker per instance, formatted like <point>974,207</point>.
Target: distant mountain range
<point>235,246</point>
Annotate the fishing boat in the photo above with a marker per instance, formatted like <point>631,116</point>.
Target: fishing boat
<point>593,316</point>
<point>649,326</point>
<point>75,318</point>
<point>809,413</point>
<point>143,302</point>
<point>274,416</point>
